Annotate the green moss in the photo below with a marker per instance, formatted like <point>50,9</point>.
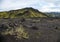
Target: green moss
<point>25,12</point>
<point>20,32</point>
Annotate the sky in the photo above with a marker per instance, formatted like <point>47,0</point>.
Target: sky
<point>41,5</point>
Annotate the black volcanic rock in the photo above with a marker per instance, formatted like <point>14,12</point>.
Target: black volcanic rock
<point>42,30</point>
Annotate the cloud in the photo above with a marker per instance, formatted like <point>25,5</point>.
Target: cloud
<point>42,5</point>
<point>50,7</point>
<point>13,4</point>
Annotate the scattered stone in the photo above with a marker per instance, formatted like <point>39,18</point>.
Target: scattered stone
<point>34,28</point>
<point>22,20</point>
<point>56,28</point>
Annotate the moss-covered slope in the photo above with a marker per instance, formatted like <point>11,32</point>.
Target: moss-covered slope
<point>25,13</point>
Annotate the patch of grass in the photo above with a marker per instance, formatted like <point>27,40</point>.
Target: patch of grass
<point>19,32</point>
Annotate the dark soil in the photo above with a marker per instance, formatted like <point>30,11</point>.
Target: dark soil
<point>49,29</point>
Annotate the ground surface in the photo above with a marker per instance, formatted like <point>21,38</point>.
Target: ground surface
<point>39,29</point>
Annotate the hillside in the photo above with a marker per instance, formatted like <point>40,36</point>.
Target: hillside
<point>25,13</point>
<point>53,14</point>
<point>19,26</point>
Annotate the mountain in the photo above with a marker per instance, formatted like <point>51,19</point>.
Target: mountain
<point>25,13</point>
<point>53,14</point>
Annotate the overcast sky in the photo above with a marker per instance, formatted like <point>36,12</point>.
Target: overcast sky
<point>41,5</point>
